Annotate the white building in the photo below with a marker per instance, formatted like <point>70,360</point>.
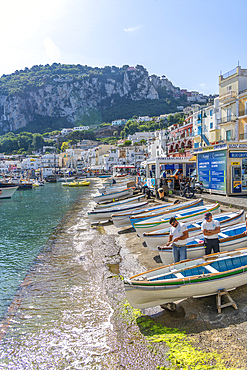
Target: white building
<point>144,119</point>
<point>205,122</point>
<point>50,161</point>
<point>81,128</point>
<point>66,131</point>
<point>31,163</point>
<point>138,136</point>
<point>119,122</point>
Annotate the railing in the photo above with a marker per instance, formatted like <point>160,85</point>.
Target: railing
<point>230,118</point>
<point>227,96</point>
<point>230,73</point>
<point>243,136</point>
<point>242,113</point>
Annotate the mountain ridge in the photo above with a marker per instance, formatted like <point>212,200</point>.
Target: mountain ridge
<point>76,94</point>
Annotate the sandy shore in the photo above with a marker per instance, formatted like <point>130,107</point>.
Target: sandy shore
<point>224,333</point>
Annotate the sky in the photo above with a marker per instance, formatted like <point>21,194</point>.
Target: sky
<point>189,41</point>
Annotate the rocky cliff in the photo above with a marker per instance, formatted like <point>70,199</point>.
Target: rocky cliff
<point>73,95</point>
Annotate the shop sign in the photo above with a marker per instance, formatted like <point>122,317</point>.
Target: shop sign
<point>212,169</point>
<point>238,154</point>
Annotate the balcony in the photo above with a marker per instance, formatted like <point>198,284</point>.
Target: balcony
<point>243,136</point>
<point>227,97</point>
<point>230,118</point>
<point>243,113</point>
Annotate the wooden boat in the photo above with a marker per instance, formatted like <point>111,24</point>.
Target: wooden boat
<point>190,278</point>
<point>140,198</point>
<point>6,193</point>
<point>157,223</point>
<point>160,237</point>
<point>116,195</point>
<point>230,238</point>
<point>176,206</point>
<point>106,214</point>
<point>123,219</point>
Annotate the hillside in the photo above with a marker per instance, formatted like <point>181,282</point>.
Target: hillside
<point>45,98</point>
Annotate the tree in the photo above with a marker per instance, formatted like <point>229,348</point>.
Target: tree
<point>64,146</point>
<point>143,141</point>
<point>38,141</point>
<point>127,143</point>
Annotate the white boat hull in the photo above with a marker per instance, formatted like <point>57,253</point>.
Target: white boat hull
<point>173,282</point>
<point>117,195</point>
<point>144,227</point>
<point>153,240</point>
<point>6,193</point>
<point>140,198</point>
<point>123,219</point>
<point>106,214</point>
<point>196,252</point>
<point>144,297</point>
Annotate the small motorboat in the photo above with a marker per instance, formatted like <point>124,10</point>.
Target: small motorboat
<point>230,238</point>
<point>199,277</point>
<point>160,237</point>
<point>78,183</point>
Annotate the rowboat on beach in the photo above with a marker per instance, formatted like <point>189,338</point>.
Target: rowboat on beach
<point>122,219</point>
<point>139,198</point>
<point>175,206</point>
<point>160,222</point>
<point>160,237</point>
<point>113,189</point>
<point>230,238</point>
<point>190,278</point>
<point>115,195</point>
<point>106,214</point>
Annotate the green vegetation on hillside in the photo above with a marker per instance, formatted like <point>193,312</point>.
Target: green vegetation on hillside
<point>112,107</point>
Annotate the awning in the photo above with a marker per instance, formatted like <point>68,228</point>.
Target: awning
<point>193,159</point>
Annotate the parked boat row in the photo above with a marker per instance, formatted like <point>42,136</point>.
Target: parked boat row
<point>200,275</point>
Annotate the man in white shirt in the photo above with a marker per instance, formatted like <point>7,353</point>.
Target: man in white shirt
<point>178,238</point>
<point>210,229</point>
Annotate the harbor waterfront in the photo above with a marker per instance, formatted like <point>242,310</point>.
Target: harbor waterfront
<point>69,309</point>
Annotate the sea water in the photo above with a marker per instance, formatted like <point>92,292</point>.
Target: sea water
<point>60,304</point>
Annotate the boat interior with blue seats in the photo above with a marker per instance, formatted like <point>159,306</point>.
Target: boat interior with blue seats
<point>222,265</point>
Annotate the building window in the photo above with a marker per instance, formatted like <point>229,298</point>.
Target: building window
<point>228,135</point>
<point>211,112</point>
<point>211,125</point>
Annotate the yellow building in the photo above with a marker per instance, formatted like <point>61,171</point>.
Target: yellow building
<point>232,86</point>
